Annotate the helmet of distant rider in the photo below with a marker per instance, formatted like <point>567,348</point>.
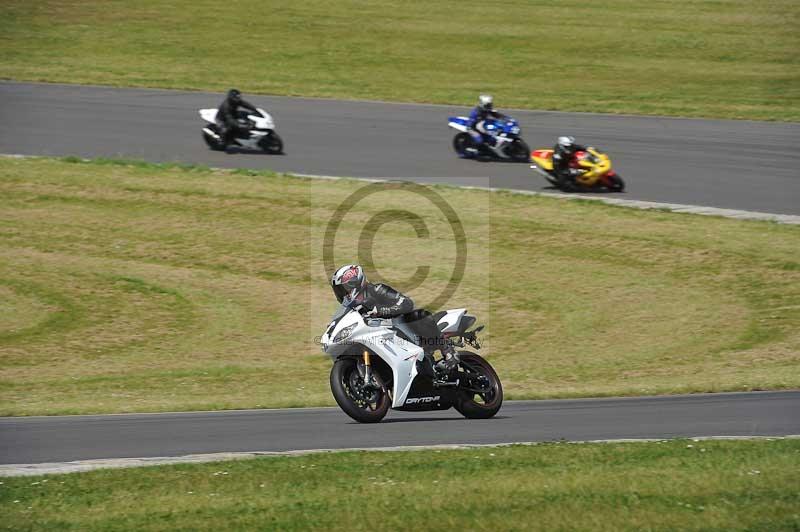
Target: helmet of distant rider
<point>348,282</point>
<point>485,102</point>
<point>567,144</point>
<point>234,96</point>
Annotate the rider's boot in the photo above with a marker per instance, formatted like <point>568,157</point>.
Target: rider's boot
<point>567,183</point>
<point>449,360</point>
<point>224,133</point>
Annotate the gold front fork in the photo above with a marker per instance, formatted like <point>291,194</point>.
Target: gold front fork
<point>367,368</point>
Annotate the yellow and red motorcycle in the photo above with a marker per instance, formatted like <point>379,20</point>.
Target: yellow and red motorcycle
<point>592,171</point>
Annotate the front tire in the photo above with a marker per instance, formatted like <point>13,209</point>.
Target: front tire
<point>346,383</point>
<point>615,183</point>
<point>519,152</point>
<point>479,404</point>
<point>272,144</point>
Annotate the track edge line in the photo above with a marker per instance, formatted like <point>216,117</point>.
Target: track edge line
<point>79,466</point>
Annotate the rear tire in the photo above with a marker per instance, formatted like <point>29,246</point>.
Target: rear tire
<point>519,151</point>
<point>212,142</point>
<point>474,405</point>
<point>272,144</point>
<point>616,184</point>
<point>344,386</point>
<point>461,142</point>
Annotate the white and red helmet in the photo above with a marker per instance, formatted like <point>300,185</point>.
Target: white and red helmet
<point>348,282</point>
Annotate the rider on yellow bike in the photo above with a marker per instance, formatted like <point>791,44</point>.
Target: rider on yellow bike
<point>563,152</point>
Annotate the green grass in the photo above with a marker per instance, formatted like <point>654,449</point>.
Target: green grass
<point>716,58</point>
<point>138,287</point>
<point>677,485</point>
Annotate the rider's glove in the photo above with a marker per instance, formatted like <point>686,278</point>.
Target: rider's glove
<point>373,312</point>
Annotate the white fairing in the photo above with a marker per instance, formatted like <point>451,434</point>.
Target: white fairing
<point>262,121</point>
<point>263,125</point>
<point>400,354</point>
<point>459,127</point>
<point>209,115</point>
<point>380,338</point>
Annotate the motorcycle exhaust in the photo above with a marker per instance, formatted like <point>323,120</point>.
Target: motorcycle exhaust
<point>534,167</point>
<point>206,130</point>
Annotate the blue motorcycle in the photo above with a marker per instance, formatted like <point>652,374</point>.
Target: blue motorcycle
<point>501,140</point>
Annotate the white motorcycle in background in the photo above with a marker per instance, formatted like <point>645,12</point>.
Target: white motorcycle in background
<point>260,130</point>
<point>377,366</point>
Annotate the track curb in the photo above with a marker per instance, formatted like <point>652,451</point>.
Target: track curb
<point>78,466</point>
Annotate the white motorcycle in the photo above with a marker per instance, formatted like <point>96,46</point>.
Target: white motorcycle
<point>256,132</point>
<point>377,365</point>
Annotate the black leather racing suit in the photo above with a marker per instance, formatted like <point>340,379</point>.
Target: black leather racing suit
<point>561,160</point>
<point>227,118</point>
<point>383,301</point>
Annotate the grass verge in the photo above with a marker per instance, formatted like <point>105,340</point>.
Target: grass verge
<point>672,485</point>
<point>721,58</point>
<point>136,287</point>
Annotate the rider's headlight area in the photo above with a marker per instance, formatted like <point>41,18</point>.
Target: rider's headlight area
<point>344,333</point>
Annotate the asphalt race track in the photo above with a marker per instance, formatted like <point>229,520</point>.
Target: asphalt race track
<point>60,439</point>
<point>717,163</point>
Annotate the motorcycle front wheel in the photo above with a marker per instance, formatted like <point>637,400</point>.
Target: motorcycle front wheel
<point>272,143</point>
<point>519,152</point>
<point>347,386</point>
<point>616,184</point>
<point>482,396</point>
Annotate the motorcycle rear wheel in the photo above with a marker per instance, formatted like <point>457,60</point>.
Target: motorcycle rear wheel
<point>345,380</point>
<point>212,142</point>
<point>461,142</point>
<point>479,405</point>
